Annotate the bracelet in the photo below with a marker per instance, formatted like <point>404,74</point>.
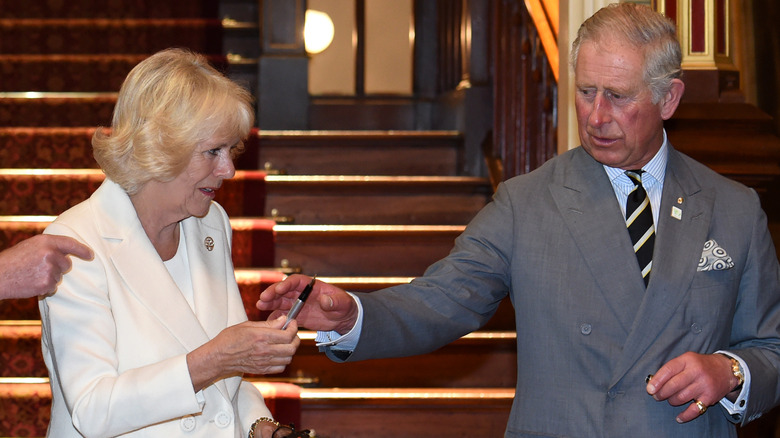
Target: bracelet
<point>261,420</point>
<point>736,370</point>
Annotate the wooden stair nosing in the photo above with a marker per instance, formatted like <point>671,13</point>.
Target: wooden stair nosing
<point>380,138</point>
<point>363,412</point>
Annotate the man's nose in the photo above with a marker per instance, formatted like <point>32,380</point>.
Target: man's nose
<point>600,111</point>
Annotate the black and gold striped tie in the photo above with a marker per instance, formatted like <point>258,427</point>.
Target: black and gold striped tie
<point>639,220</point>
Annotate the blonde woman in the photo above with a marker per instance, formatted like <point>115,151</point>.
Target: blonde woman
<point>150,339</point>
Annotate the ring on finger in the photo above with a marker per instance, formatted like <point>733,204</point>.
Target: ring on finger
<point>702,407</point>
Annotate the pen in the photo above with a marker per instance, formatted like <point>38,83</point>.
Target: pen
<point>296,308</point>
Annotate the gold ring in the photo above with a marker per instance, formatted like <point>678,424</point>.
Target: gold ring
<point>702,407</point>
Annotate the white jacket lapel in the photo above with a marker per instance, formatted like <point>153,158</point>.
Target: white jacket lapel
<point>208,254</point>
<point>136,260</point>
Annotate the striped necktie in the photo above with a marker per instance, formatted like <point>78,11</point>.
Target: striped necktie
<point>639,220</point>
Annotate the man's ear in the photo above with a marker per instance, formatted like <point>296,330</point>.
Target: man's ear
<point>671,100</point>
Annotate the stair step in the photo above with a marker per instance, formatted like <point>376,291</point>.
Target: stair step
<point>46,148</point>
<point>406,412</point>
<point>721,117</point>
<point>52,191</point>
<point>253,239</point>
<point>252,281</point>
<point>483,358</point>
<point>430,153</point>
<point>108,36</point>
<point>328,250</point>
<point>370,250</point>
<point>306,199</point>
<point>480,359</point>
<point>57,147</point>
<point>33,109</point>
<point>330,199</point>
<point>331,412</point>
<point>99,9</point>
<point>75,73</point>
<point>361,152</point>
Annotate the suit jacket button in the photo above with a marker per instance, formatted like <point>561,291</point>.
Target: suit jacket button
<point>222,419</point>
<point>585,329</point>
<point>187,423</point>
<point>696,328</point>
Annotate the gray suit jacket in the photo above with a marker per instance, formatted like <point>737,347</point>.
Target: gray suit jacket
<point>588,333</point>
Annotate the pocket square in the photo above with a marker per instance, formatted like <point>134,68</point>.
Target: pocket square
<point>714,258</point>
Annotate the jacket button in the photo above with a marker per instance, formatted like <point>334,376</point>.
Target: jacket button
<point>696,328</point>
<point>223,419</point>
<point>187,423</point>
<point>585,329</point>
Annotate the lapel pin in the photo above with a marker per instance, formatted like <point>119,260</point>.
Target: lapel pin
<point>676,212</point>
<point>209,242</point>
<point>679,200</point>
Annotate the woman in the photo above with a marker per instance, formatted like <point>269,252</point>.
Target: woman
<point>150,338</point>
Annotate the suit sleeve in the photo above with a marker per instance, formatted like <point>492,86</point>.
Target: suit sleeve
<point>454,297</point>
<point>755,334</point>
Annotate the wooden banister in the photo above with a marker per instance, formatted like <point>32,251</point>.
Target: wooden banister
<point>525,81</point>
<point>544,14</point>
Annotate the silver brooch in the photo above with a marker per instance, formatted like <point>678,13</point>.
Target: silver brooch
<point>209,242</point>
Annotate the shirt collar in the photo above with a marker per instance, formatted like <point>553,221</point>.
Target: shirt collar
<point>656,167</point>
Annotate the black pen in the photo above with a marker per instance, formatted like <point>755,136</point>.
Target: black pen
<point>296,308</point>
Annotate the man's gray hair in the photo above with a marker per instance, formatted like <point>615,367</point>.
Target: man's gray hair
<point>644,28</point>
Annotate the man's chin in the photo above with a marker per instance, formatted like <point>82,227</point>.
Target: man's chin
<point>605,156</point>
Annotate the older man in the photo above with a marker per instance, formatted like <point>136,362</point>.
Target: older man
<point>620,334</point>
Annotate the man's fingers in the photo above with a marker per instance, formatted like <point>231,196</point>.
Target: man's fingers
<point>693,411</point>
<point>68,245</point>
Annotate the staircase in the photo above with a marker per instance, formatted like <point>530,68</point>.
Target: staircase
<point>362,210</point>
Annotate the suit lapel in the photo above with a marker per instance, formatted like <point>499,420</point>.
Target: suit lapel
<point>678,246</point>
<point>139,265</point>
<point>208,271</point>
<point>585,198</point>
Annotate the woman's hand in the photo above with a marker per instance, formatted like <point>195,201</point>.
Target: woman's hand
<point>252,347</point>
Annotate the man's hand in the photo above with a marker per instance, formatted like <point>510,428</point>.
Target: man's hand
<point>35,266</point>
<point>328,307</point>
<point>692,377</point>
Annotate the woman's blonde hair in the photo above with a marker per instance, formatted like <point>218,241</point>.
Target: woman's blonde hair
<point>168,104</point>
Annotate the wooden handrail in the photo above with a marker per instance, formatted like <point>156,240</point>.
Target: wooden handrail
<point>544,14</point>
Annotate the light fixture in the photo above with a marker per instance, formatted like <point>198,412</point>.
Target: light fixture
<point>317,31</point>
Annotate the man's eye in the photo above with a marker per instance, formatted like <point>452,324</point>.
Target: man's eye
<point>214,151</point>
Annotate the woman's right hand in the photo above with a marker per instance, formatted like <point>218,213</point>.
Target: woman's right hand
<point>253,347</point>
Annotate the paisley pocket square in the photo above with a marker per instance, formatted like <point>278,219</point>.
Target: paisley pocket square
<point>714,258</point>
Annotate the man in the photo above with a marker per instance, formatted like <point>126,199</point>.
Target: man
<point>610,342</point>
<point>35,266</point>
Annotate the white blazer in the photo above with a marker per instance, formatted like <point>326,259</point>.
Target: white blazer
<point>117,331</point>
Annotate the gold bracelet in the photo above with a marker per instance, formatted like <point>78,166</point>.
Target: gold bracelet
<point>261,420</point>
<point>736,370</point>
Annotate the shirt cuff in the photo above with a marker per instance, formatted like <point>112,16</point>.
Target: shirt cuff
<point>348,341</point>
<point>739,406</point>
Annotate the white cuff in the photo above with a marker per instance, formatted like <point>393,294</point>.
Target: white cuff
<point>738,407</point>
<point>348,341</point>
